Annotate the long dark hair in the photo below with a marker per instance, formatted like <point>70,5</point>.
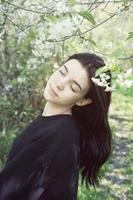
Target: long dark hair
<point>92,119</point>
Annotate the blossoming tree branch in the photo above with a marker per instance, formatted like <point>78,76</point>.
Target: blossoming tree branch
<point>55,29</point>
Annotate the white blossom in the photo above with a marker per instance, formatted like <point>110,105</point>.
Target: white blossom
<point>56,65</point>
<point>18,66</point>
<point>97,81</point>
<point>104,76</point>
<point>62,7</point>
<point>21,79</point>
<point>125,83</point>
<point>128,72</point>
<point>110,88</point>
<point>76,21</point>
<point>102,82</point>
<point>50,4</point>
<point>123,79</point>
<point>43,49</point>
<point>76,8</point>
<point>128,83</point>
<point>120,78</point>
<point>8,87</point>
<point>33,63</point>
<point>61,29</point>
<point>58,7</point>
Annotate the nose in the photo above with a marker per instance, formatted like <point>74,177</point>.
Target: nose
<point>60,87</point>
<point>61,84</point>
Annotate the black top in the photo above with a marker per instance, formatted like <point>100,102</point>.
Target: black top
<point>43,162</point>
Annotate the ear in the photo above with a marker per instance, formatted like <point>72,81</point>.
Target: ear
<point>83,102</point>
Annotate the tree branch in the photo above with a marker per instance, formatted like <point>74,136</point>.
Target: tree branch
<point>88,3</point>
<point>5,19</point>
<point>128,58</point>
<point>90,10</point>
<point>26,9</point>
<point>78,34</point>
<point>21,30</point>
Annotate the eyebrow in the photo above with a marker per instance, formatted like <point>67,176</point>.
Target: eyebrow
<point>73,80</point>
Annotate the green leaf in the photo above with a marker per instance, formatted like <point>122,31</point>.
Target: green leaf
<point>87,16</point>
<point>130,35</point>
<point>112,68</point>
<point>91,41</point>
<point>72,2</point>
<point>52,18</point>
<point>117,53</point>
<point>101,70</point>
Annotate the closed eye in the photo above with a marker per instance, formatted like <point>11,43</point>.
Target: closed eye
<point>64,75</point>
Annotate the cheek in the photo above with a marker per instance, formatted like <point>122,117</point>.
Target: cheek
<point>68,93</point>
<point>67,96</point>
<point>71,96</point>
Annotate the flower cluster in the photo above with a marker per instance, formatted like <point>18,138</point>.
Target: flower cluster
<point>43,50</point>
<point>61,29</point>
<point>102,81</point>
<point>57,6</point>
<point>125,79</point>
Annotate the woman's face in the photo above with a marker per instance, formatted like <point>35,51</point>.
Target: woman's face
<point>69,82</point>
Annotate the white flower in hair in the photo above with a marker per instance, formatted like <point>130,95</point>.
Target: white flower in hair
<point>104,76</point>
<point>97,81</point>
<point>109,88</point>
<point>102,81</point>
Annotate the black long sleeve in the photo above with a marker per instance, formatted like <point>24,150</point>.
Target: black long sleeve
<point>43,161</point>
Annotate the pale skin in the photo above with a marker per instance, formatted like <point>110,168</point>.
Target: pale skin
<point>62,83</point>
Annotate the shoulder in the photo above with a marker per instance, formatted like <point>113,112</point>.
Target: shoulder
<point>68,130</point>
<point>68,124</point>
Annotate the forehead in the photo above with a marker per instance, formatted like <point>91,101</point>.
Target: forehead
<point>77,72</point>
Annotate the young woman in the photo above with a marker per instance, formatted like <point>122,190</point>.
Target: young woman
<point>71,135</point>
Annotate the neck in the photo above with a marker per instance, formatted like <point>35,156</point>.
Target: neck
<point>54,109</point>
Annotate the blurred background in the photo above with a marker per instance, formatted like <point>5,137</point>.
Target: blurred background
<point>36,36</point>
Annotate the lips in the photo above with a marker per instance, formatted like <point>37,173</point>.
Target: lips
<point>53,91</point>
